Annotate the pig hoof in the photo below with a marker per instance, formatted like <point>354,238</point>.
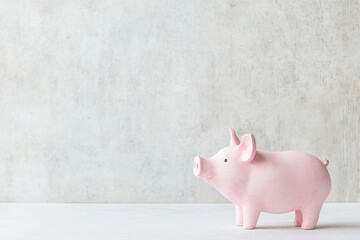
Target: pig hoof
<point>248,227</point>
<point>297,224</point>
<point>304,227</point>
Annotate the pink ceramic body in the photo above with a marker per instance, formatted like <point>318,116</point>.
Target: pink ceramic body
<point>274,182</point>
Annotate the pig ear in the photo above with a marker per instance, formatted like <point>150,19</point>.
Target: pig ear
<point>234,139</point>
<point>247,147</point>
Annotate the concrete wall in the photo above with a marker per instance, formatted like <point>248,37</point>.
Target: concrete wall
<point>109,101</point>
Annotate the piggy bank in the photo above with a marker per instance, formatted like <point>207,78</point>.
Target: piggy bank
<point>260,181</point>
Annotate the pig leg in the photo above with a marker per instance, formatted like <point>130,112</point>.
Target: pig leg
<point>298,218</point>
<point>251,216</point>
<point>310,216</point>
<point>239,215</point>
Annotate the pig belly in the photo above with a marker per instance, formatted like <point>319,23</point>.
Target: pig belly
<point>286,181</point>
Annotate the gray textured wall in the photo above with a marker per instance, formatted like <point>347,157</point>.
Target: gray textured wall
<point>109,101</point>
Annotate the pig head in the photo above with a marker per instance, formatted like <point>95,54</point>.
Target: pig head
<point>227,169</point>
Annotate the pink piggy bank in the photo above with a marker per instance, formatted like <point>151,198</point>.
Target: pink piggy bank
<point>273,182</point>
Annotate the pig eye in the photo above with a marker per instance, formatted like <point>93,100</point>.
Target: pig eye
<point>225,160</point>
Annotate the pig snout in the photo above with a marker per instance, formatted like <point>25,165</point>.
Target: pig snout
<point>197,166</point>
<point>201,167</point>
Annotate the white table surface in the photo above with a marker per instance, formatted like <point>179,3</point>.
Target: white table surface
<point>165,221</point>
